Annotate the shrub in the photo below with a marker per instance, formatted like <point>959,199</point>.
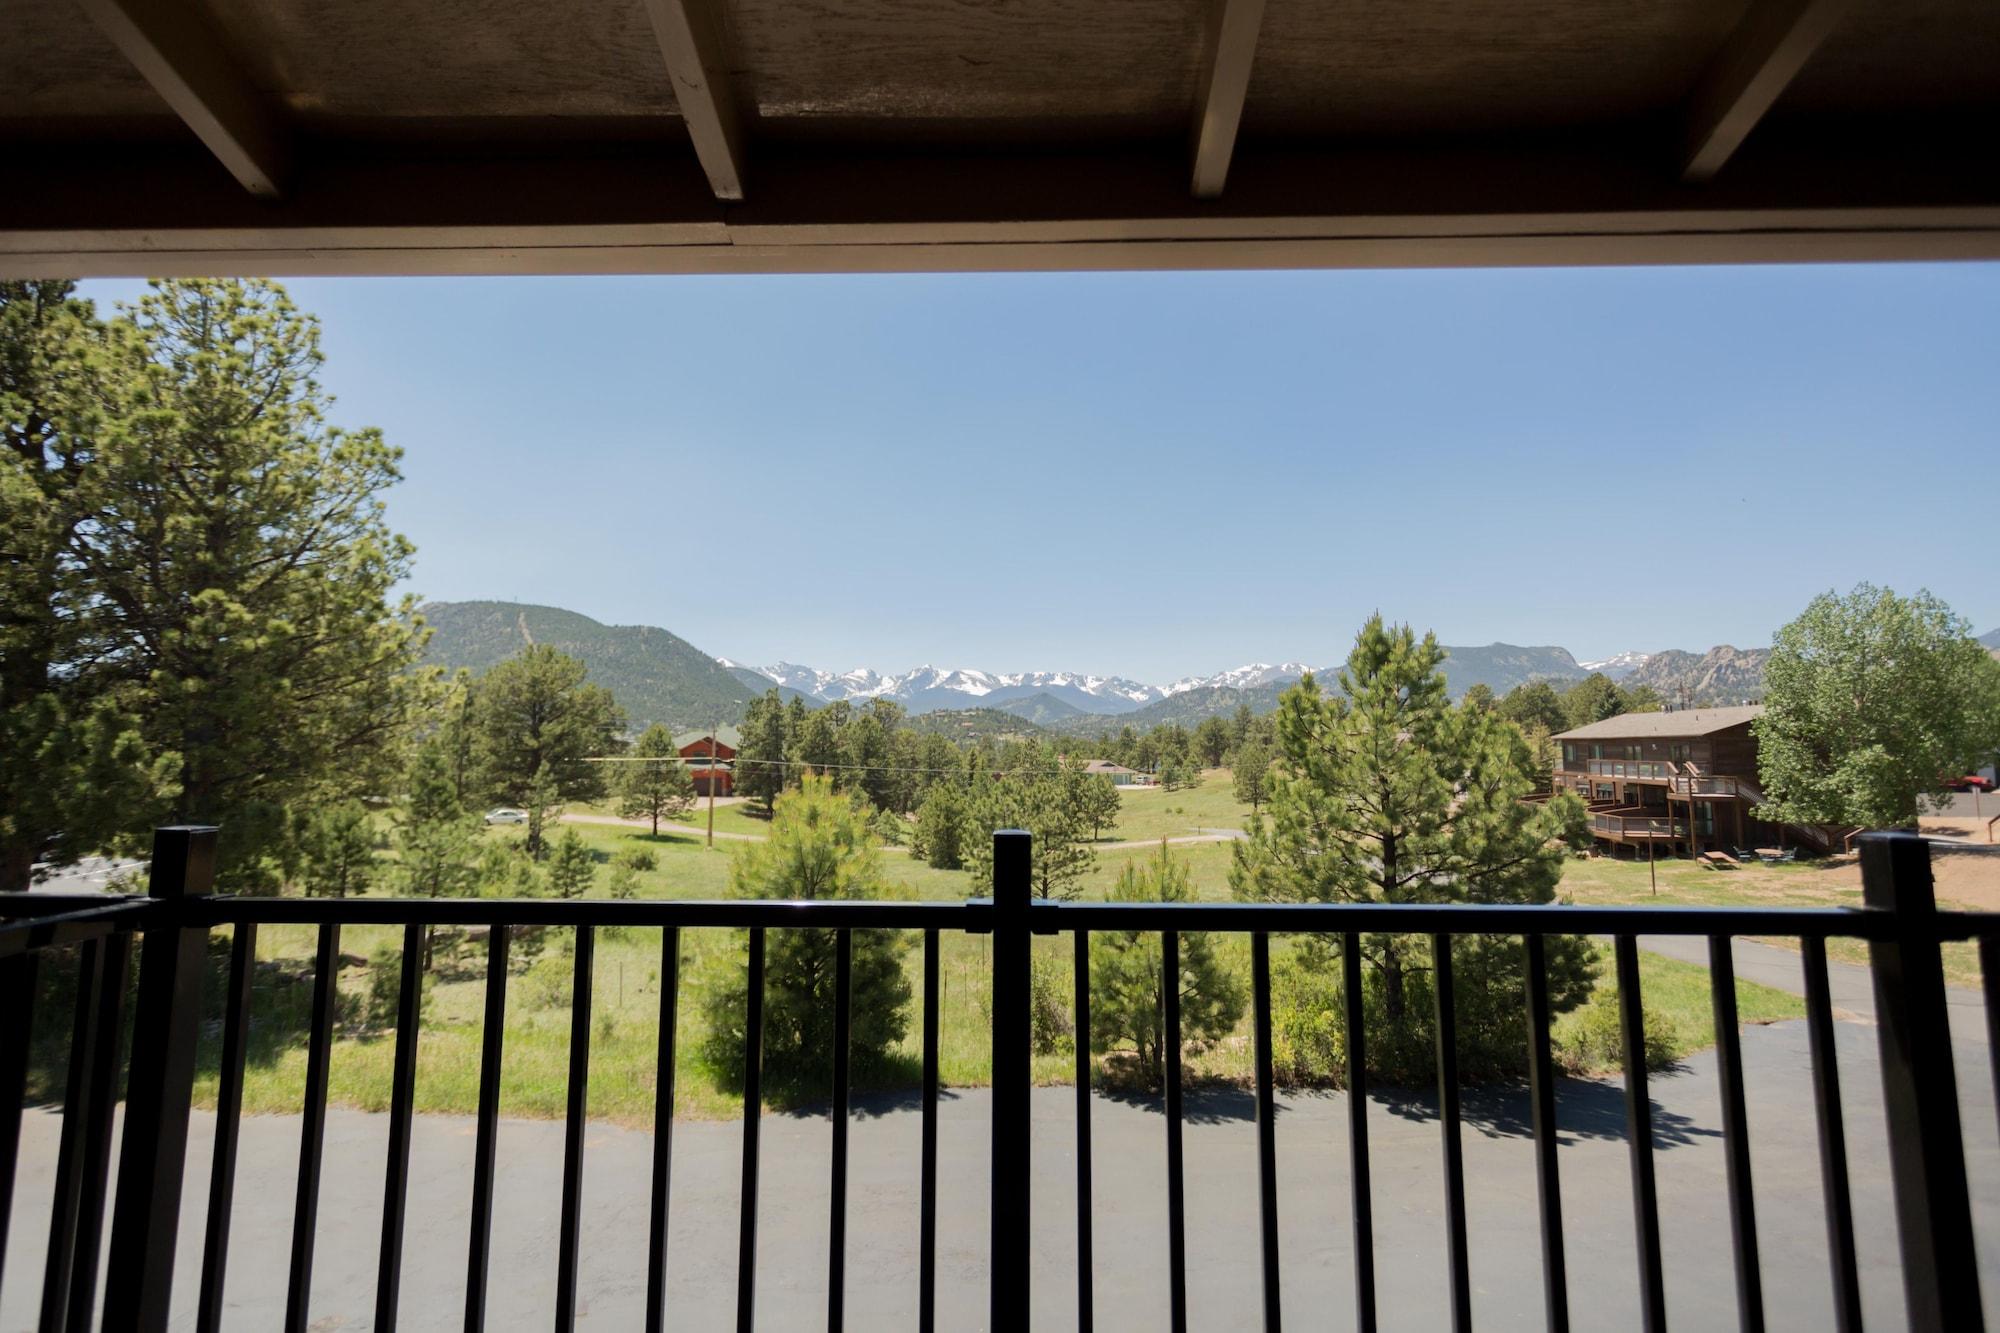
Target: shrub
<point>548,983</point>
<point>1052,1019</point>
<point>1127,991</point>
<point>639,860</point>
<point>819,848</point>
<point>385,987</point>
<point>1592,1039</point>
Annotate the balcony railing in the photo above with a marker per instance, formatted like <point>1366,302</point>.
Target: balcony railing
<point>1634,827</point>
<point>1903,929</point>
<point>1645,770</point>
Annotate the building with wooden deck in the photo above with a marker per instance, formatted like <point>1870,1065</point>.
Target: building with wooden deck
<point>1676,781</point>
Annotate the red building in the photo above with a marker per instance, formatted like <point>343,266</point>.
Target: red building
<point>705,755</point>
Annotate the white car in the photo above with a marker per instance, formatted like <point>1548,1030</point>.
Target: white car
<point>506,815</point>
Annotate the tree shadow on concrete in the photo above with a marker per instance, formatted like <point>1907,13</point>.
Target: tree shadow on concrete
<point>873,1104</point>
<point>1207,1105</point>
<point>1585,1109</point>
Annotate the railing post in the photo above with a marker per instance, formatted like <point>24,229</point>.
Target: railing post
<point>1013,1073</point>
<point>1919,1089</point>
<point>145,1220</point>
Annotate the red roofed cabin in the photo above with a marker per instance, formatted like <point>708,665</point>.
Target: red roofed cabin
<point>716,749</point>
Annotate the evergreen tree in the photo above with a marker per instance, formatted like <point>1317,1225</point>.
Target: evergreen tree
<point>1038,802</point>
<point>544,803</point>
<point>572,866</point>
<point>1211,741</point>
<point>1383,792</point>
<point>1253,762</point>
<point>819,848</point>
<point>438,836</point>
<point>239,544</point>
<point>1480,697</point>
<point>1535,704</point>
<point>73,760</point>
<point>1097,802</point>
<point>1127,982</point>
<point>939,839</point>
<point>1240,724</point>
<point>655,785</point>
<point>1871,702</point>
<point>535,714</point>
<point>760,750</point>
<point>338,846</point>
<point>1592,699</point>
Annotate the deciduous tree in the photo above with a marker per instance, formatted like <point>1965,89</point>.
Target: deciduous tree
<point>1871,702</point>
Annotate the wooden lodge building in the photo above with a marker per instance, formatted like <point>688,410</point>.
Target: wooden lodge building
<point>1674,781</point>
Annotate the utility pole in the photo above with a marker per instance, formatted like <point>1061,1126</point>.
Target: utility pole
<point>1652,852</point>
<point>713,728</point>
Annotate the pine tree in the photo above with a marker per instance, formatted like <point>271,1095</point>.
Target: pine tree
<point>73,759</point>
<point>819,848</point>
<point>939,840</point>
<point>241,544</point>
<point>654,784</point>
<point>1384,792</point>
<point>438,836</point>
<point>338,845</point>
<point>1127,987</point>
<point>760,752</point>
<point>572,866</point>
<point>543,802</point>
<point>536,713</point>
<point>1252,765</point>
<point>1039,802</point>
<point>1097,801</point>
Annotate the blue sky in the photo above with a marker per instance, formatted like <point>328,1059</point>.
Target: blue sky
<point>1156,475</point>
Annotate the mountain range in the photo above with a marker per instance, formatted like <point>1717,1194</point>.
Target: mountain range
<point>660,677</point>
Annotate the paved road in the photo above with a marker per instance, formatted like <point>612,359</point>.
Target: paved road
<point>1130,1210</point>
<point>89,874</point>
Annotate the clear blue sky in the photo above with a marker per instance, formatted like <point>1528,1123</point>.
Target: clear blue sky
<point>1163,474</point>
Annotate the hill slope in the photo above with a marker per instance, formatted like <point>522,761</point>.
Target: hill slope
<point>1502,666</point>
<point>656,676</point>
<point>1721,675</point>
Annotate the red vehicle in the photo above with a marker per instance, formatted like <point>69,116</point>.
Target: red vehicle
<point>1970,782</point>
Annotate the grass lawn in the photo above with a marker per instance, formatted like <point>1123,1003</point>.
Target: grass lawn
<point>624,1027</point>
<point>1150,812</point>
<point>1604,881</point>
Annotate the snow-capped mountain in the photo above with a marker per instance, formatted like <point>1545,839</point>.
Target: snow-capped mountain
<point>1619,665</point>
<point>1247,677</point>
<point>927,688</point>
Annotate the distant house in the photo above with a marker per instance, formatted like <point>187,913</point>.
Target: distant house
<point>705,753</point>
<point>1120,775</point>
<point>1685,779</point>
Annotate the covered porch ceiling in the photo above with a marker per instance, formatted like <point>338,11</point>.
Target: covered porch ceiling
<point>164,137</point>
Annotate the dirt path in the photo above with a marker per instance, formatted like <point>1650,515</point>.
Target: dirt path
<point>666,826</point>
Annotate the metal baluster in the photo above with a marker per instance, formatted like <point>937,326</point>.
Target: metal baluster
<point>1639,1136</point>
<point>17,998</point>
<point>1832,1139</point>
<point>1357,1134</point>
<point>753,1100</point>
<point>312,1128</point>
<point>577,1113</point>
<point>663,1129</point>
<point>116,974</point>
<point>228,1123</point>
<point>1542,1099</point>
<point>402,1096</point>
<point>492,1040</point>
<point>1086,1301</point>
<point>1013,1074</point>
<point>1170,993</point>
<point>1989,980</point>
<point>1267,1131</point>
<point>836,1244</point>
<point>66,1207</point>
<point>1446,1012</point>
<point>927,1166</point>
<point>1736,1134</point>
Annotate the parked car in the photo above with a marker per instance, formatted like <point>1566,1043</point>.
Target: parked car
<point>506,815</point>
<point>1969,783</point>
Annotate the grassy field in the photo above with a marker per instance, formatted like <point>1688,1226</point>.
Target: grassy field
<point>624,1025</point>
<point>1601,880</point>
<point>1148,813</point>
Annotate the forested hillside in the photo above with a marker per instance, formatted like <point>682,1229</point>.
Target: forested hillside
<point>655,676</point>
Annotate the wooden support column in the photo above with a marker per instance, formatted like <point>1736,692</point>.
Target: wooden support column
<point>1233,26</point>
<point>1767,50</point>
<point>172,45</point>
<point>690,34</point>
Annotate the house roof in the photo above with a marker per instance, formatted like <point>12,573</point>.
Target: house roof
<point>299,137</point>
<point>1106,766</point>
<point>1682,722</point>
<point>729,736</point>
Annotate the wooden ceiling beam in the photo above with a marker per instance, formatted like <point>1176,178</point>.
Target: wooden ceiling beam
<point>691,40</point>
<point>1767,50</point>
<point>179,54</point>
<point>1233,26</point>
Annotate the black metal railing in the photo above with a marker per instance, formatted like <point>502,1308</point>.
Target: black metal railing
<point>1904,932</point>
